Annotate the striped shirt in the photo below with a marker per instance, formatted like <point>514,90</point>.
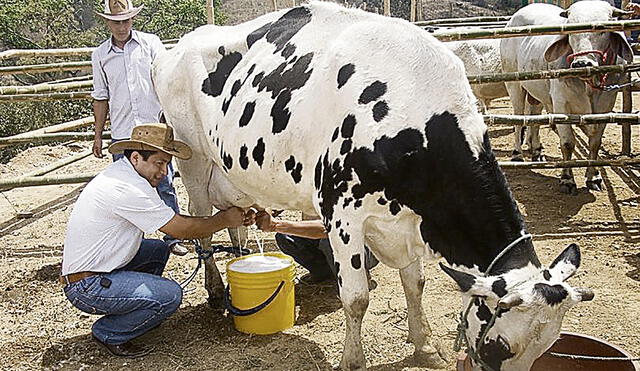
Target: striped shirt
<point>123,76</point>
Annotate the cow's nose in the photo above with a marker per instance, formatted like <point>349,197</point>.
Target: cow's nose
<point>582,63</point>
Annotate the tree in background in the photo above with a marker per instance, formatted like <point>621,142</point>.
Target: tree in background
<point>47,24</point>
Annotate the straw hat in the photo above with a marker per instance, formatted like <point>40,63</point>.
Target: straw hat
<point>119,10</point>
<point>153,137</point>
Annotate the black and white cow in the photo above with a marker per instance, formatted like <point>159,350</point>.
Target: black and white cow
<point>569,95</point>
<point>370,123</point>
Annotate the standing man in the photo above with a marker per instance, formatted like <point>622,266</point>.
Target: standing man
<point>123,90</point>
<point>107,267</point>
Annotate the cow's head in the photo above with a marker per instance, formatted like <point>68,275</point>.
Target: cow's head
<point>590,49</point>
<point>527,305</point>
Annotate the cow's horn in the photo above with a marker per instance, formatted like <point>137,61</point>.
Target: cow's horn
<point>585,294</point>
<point>510,301</point>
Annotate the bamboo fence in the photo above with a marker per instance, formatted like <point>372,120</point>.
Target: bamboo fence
<point>46,97</point>
<point>562,119</point>
<point>51,137</point>
<point>69,125</point>
<point>499,33</point>
<point>30,181</point>
<point>463,20</point>
<point>48,67</point>
<point>42,88</point>
<point>61,52</point>
<point>552,74</point>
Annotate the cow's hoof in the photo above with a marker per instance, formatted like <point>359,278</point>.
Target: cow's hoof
<point>595,185</point>
<point>569,188</point>
<point>538,158</point>
<point>430,357</point>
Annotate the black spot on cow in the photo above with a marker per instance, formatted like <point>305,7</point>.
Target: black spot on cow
<point>209,132</point>
<point>214,84</point>
<point>258,34</point>
<point>345,147</point>
<point>294,168</point>
<point>258,152</point>
<point>337,267</point>
<point>288,50</point>
<point>484,313</point>
<point>227,161</point>
<point>318,174</point>
<point>339,281</point>
<point>250,71</point>
<point>257,78</point>
<point>221,50</point>
<point>356,263</point>
<point>234,91</point>
<point>499,287</point>
<point>346,202</point>
<point>247,114</point>
<point>345,73</point>
<point>420,170</point>
<point>244,160</point>
<point>290,163</point>
<point>281,31</point>
<point>546,274</point>
<point>372,92</point>
<point>394,207</point>
<point>553,295</point>
<point>344,236</point>
<point>570,255</point>
<point>382,201</point>
<point>380,111</point>
<point>348,126</point>
<point>281,82</point>
<point>335,134</point>
<point>357,204</point>
<point>338,223</point>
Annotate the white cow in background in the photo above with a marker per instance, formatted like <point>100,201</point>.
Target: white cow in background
<point>481,57</point>
<point>569,95</point>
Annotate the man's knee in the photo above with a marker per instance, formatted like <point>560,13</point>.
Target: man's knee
<point>171,296</point>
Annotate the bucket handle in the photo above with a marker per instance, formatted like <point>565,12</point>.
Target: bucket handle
<point>247,312</point>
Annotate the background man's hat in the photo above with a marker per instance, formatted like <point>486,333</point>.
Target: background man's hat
<point>153,137</point>
<point>119,10</point>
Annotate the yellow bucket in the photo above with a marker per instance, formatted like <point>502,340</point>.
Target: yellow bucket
<point>261,302</point>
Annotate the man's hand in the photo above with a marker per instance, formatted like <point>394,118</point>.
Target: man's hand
<point>635,8</point>
<point>233,216</point>
<point>264,221</point>
<point>97,147</point>
<point>249,217</point>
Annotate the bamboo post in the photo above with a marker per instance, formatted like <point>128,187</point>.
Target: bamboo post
<point>563,119</point>
<point>419,11</point>
<point>499,33</point>
<point>41,88</point>
<point>210,12</point>
<point>386,4</point>
<point>564,164</point>
<point>51,137</point>
<point>69,125</point>
<point>46,97</point>
<point>412,15</point>
<point>31,181</point>
<point>275,5</point>
<point>49,67</point>
<point>627,104</point>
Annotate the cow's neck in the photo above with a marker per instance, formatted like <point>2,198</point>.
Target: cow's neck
<point>471,216</point>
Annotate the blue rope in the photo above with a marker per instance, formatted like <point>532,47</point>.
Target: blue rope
<point>203,254</point>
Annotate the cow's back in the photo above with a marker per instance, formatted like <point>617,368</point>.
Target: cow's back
<point>268,99</point>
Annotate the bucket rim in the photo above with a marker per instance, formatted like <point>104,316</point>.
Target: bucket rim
<point>276,254</point>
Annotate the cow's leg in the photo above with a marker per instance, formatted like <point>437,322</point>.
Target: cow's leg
<point>567,144</point>
<point>196,184</point>
<point>354,294</point>
<point>535,147</point>
<point>238,236</point>
<point>427,352</point>
<point>517,96</point>
<point>594,180</point>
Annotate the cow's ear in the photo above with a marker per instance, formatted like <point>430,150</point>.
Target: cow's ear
<point>469,283</point>
<point>620,45</point>
<point>564,14</point>
<point>566,263</point>
<point>557,49</point>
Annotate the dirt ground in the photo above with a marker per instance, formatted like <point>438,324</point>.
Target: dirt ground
<point>39,329</point>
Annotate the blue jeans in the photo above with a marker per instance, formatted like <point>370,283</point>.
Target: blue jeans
<point>133,299</point>
<point>165,190</point>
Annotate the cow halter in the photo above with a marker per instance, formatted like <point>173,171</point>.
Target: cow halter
<point>607,58</point>
<point>464,323</point>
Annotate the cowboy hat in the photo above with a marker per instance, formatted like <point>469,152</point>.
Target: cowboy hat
<point>153,137</point>
<point>119,10</point>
